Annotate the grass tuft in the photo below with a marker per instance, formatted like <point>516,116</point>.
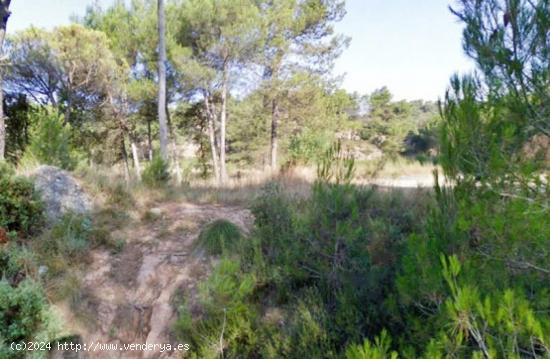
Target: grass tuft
<point>219,235</point>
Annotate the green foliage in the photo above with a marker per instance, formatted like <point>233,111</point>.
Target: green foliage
<point>72,70</point>
<point>500,324</point>
<point>70,236</point>
<point>461,272</point>
<point>51,141</point>
<point>399,127</point>
<point>79,67</point>
<point>20,205</point>
<point>307,147</point>
<point>226,327</point>
<point>336,165</point>
<point>156,173</point>
<point>323,267</point>
<point>21,313</point>
<point>494,217</point>
<point>18,122</point>
<point>23,305</point>
<point>219,235</point>
<point>379,350</point>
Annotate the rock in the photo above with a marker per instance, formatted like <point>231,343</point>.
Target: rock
<point>374,155</point>
<point>156,212</point>
<point>60,192</point>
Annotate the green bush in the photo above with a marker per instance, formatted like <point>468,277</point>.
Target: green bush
<point>228,314</point>
<point>219,235</point>
<point>354,265</point>
<point>23,305</point>
<point>20,310</point>
<point>20,205</point>
<point>379,350</point>
<point>307,147</point>
<point>156,173</point>
<point>51,141</point>
<point>326,265</point>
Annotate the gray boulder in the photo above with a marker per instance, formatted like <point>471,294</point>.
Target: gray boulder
<point>60,192</point>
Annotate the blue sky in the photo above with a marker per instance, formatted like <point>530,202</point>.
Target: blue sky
<point>410,46</point>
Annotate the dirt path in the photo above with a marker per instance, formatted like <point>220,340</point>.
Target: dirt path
<point>131,296</point>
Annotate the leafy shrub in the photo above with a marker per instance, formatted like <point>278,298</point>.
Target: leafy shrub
<point>226,326</point>
<point>156,173</point>
<point>325,264</point>
<point>219,235</point>
<point>307,147</point>
<point>21,313</point>
<point>23,304</point>
<point>20,205</point>
<point>51,141</point>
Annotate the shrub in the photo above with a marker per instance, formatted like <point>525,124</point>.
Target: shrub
<point>325,265</point>
<point>156,172</point>
<point>51,141</point>
<point>23,305</point>
<point>228,314</point>
<point>306,147</point>
<point>219,235</point>
<point>379,350</point>
<point>20,205</point>
<point>336,165</point>
<point>21,314</point>
<point>68,239</point>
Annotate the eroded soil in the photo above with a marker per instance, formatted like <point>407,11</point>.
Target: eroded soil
<point>132,296</point>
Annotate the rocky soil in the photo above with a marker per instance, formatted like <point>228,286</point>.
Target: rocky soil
<point>132,296</point>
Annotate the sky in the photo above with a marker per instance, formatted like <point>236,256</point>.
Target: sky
<point>410,46</point>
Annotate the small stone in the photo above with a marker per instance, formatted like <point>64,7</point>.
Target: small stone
<point>42,270</point>
<point>157,212</point>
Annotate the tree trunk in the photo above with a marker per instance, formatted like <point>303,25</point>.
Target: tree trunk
<point>163,127</point>
<point>274,133</point>
<point>125,157</point>
<point>135,156</point>
<point>223,120</point>
<point>149,139</point>
<point>4,15</point>
<point>175,159</point>
<point>212,137</point>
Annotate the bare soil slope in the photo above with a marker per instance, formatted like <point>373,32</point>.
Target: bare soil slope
<point>132,296</point>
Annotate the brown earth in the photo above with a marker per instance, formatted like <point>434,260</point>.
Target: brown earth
<point>132,296</point>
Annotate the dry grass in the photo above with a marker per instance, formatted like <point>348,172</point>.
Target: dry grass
<point>367,170</point>
<point>109,188</point>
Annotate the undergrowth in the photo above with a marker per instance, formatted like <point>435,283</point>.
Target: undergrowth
<point>218,236</point>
